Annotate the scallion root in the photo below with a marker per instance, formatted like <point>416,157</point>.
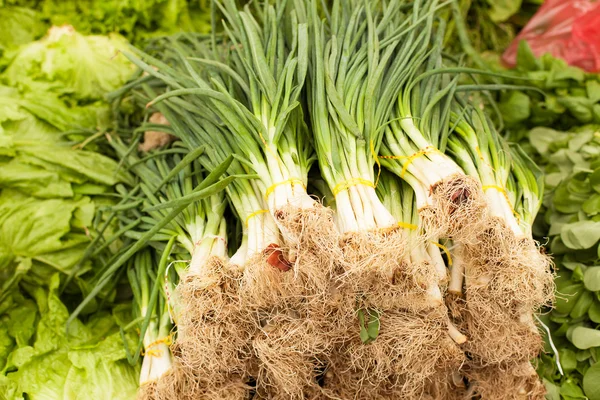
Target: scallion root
<point>511,269</point>
<point>409,349</point>
<point>458,205</point>
<point>290,347</point>
<point>368,251</point>
<point>311,244</point>
<point>495,334</point>
<point>214,332</point>
<point>506,382</point>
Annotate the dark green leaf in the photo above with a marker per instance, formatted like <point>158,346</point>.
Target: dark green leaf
<point>567,298</point>
<point>579,107</point>
<point>594,179</point>
<point>582,305</point>
<point>592,205</point>
<point>570,389</point>
<point>553,391</point>
<point>578,274</point>
<point>592,87</point>
<point>515,107</point>
<point>526,60</point>
<point>568,360</point>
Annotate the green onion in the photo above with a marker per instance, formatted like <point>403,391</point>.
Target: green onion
<point>483,154</point>
<point>354,70</point>
<point>155,330</point>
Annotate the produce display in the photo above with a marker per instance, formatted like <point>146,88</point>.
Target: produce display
<point>294,199</point>
<point>561,129</point>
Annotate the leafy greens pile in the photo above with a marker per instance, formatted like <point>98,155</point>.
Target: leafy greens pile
<point>53,181</point>
<point>557,122</point>
<point>569,96</point>
<point>491,25</point>
<point>27,20</point>
<point>572,222</point>
<point>39,359</point>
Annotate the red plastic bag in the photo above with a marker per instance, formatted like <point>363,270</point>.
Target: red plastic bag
<point>567,29</point>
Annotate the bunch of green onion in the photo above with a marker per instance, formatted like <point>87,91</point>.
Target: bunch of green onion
<point>283,297</point>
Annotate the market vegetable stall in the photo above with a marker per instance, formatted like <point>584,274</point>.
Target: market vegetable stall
<point>315,200</point>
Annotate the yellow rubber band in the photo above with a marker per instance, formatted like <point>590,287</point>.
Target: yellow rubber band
<point>413,158</point>
<point>406,225</point>
<point>293,181</point>
<point>149,352</point>
<point>503,191</point>
<point>152,353</point>
<point>168,340</point>
<point>410,158</point>
<point>340,187</point>
<point>480,154</point>
<point>376,158</point>
<point>254,214</point>
<point>446,251</point>
<point>498,188</point>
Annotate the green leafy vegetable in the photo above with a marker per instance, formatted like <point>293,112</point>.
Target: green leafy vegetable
<point>559,129</point>
<point>19,25</point>
<point>134,19</point>
<point>85,67</point>
<point>591,382</point>
<point>580,235</point>
<point>52,365</point>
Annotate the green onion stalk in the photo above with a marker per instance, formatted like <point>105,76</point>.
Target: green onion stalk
<point>513,186</point>
<point>155,323</point>
<point>357,56</point>
<point>507,278</point>
<point>421,266</point>
<point>261,235</point>
<point>354,72</point>
<point>491,163</point>
<point>167,180</point>
<point>252,83</point>
<point>485,157</point>
<point>399,315</point>
<point>273,67</point>
<point>212,330</point>
<point>424,254</point>
<point>255,117</point>
<point>193,120</point>
<point>525,188</point>
<point>287,341</point>
<point>414,146</point>
<point>163,213</point>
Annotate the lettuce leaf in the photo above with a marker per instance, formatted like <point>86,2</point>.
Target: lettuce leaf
<point>19,25</point>
<point>85,67</point>
<point>41,114</point>
<point>88,363</point>
<point>37,159</point>
<point>134,19</point>
<point>42,231</point>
